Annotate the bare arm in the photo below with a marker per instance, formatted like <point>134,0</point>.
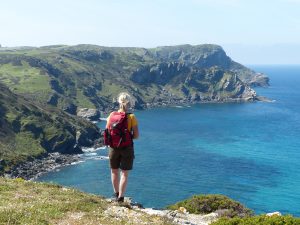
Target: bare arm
<point>106,125</point>
<point>107,122</point>
<point>135,132</point>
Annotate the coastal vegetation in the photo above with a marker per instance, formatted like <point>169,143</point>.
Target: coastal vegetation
<point>204,204</point>
<point>28,202</point>
<point>261,220</point>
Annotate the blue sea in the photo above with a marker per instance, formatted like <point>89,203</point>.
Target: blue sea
<point>247,151</point>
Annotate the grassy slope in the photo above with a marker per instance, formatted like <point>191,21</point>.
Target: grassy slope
<point>29,130</point>
<point>25,202</point>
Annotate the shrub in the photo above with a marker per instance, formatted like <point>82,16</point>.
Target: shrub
<point>259,220</point>
<point>203,204</point>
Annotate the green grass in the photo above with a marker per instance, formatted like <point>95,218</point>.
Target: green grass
<point>260,220</point>
<point>26,202</point>
<point>70,66</point>
<point>83,101</point>
<point>111,89</point>
<point>19,148</point>
<point>27,145</point>
<point>203,204</point>
<point>24,79</point>
<point>10,116</point>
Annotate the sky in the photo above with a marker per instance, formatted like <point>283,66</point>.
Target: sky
<point>250,31</point>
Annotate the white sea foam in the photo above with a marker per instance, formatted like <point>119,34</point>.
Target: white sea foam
<point>93,149</point>
<point>101,158</point>
<point>103,118</point>
<point>74,163</point>
<point>90,154</point>
<point>88,149</point>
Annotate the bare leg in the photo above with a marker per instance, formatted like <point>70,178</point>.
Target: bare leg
<point>123,182</point>
<point>115,179</point>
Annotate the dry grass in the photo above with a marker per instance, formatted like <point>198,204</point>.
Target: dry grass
<point>26,202</point>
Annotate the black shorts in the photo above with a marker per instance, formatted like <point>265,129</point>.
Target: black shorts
<point>121,158</point>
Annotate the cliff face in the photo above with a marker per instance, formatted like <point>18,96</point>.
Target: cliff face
<point>30,130</point>
<point>200,56</point>
<point>207,56</point>
<point>193,84</point>
<point>88,76</point>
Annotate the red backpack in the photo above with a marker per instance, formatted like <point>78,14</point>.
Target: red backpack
<point>117,134</point>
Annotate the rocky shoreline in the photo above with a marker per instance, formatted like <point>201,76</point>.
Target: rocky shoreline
<point>35,167</point>
<point>188,103</point>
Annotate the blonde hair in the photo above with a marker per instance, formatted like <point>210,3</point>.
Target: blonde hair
<point>124,100</point>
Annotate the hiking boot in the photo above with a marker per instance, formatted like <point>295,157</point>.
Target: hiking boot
<point>121,202</point>
<point>115,196</point>
<point>120,199</point>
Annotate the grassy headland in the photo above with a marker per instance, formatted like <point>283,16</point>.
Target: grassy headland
<point>91,76</point>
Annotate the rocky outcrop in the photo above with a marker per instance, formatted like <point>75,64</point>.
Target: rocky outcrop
<point>259,80</point>
<point>53,99</point>
<point>63,143</point>
<point>89,114</point>
<point>70,108</point>
<point>196,85</point>
<point>213,58</point>
<point>130,211</point>
<point>90,91</point>
<point>160,73</point>
<point>44,65</point>
<point>34,167</point>
<point>92,55</point>
<point>54,84</point>
<point>88,137</point>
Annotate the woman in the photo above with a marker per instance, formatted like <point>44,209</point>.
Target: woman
<point>121,158</point>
